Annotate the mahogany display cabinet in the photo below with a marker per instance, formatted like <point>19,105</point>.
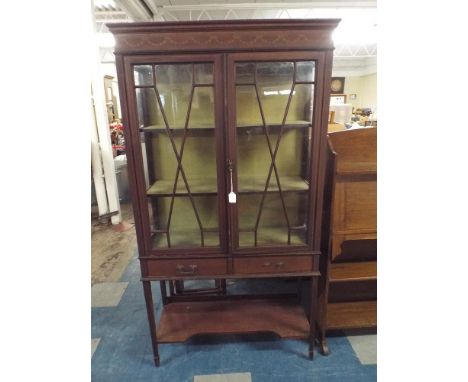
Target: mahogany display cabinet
<point>225,125</point>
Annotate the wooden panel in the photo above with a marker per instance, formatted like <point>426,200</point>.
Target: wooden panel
<point>356,150</point>
<point>353,250</point>
<point>347,315</point>
<point>366,270</point>
<point>360,205</point>
<point>186,267</point>
<point>272,264</point>
<point>355,187</point>
<point>348,291</point>
<point>332,127</point>
<point>252,35</point>
<point>180,321</point>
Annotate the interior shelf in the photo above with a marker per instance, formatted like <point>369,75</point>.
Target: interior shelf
<point>267,236</point>
<point>182,320</point>
<point>186,238</point>
<point>255,126</point>
<point>163,187</point>
<point>272,236</point>
<point>162,128</point>
<point>254,184</point>
<point>349,315</point>
<point>246,185</point>
<point>287,125</point>
<point>360,271</point>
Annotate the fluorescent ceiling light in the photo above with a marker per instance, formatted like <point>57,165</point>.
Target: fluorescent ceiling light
<point>355,33</point>
<point>104,3</point>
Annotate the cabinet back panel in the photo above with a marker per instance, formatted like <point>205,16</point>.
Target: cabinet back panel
<point>198,161</point>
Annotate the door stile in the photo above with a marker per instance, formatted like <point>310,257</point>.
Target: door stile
<point>231,148</point>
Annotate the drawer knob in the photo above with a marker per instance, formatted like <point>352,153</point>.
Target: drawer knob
<point>187,270</point>
<point>266,264</point>
<point>279,264</point>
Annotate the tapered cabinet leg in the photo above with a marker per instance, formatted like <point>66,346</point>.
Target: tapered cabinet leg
<point>221,286</point>
<point>323,342</point>
<point>312,315</point>
<point>151,319</point>
<point>163,292</point>
<point>171,288</point>
<point>179,286</point>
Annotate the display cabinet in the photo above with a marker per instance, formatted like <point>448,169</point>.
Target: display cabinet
<point>226,135</point>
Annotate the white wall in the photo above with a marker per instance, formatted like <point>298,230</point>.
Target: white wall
<point>369,91</point>
<point>365,88</point>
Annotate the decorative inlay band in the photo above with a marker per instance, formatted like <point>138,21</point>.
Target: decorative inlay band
<point>223,40</point>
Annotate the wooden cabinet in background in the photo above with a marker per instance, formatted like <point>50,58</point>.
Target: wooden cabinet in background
<point>226,127</point>
<point>348,286</point>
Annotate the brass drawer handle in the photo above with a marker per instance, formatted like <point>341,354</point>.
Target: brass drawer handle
<point>190,270</point>
<point>266,264</point>
<point>279,264</point>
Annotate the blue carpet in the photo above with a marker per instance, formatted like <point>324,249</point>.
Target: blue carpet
<point>124,352</point>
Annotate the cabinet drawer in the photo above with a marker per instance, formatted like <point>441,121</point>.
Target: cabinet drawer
<point>273,264</point>
<point>186,267</point>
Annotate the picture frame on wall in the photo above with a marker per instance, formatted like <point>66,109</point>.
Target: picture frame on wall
<point>338,99</point>
<point>337,85</point>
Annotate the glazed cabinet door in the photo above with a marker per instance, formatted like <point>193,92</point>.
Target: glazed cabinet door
<point>177,135</point>
<point>274,130</point>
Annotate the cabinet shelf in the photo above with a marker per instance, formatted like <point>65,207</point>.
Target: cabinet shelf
<point>182,320</point>
<point>164,187</point>
<point>175,129</point>
<point>271,236</point>
<point>256,184</point>
<point>349,315</point>
<point>187,239</point>
<point>254,127</point>
<point>289,125</point>
<point>208,186</point>
<point>341,272</point>
<point>267,236</point>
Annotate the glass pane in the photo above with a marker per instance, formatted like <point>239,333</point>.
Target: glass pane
<point>301,107</point>
<point>184,229</point>
<point>174,84</point>
<point>305,71</point>
<point>272,227</point>
<point>247,108</point>
<point>202,111</point>
<point>272,161</point>
<point>274,82</point>
<point>143,75</point>
<point>203,73</point>
<point>149,113</point>
<point>180,165</point>
<point>245,73</point>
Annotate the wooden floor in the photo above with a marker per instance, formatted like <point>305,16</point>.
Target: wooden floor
<point>180,321</point>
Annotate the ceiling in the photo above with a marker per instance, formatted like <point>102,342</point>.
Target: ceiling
<point>355,38</point>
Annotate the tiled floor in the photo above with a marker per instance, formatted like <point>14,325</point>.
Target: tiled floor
<point>123,348</point>
<point>94,345</point>
<point>365,348</point>
<point>105,295</point>
<point>231,377</point>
